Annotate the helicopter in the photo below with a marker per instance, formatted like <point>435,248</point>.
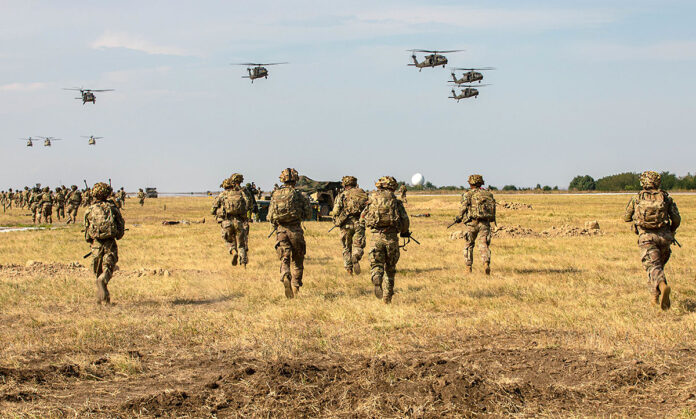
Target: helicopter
<point>88,94</point>
<point>92,139</point>
<point>48,141</point>
<point>258,71</point>
<point>471,75</point>
<point>30,141</point>
<point>467,92</point>
<point>433,60</point>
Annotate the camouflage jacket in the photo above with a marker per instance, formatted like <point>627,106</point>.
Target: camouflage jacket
<point>673,211</point>
<point>60,197</point>
<point>339,213</point>
<point>465,211</point>
<point>303,208</point>
<point>219,203</point>
<point>254,207</point>
<point>75,197</point>
<point>109,206</point>
<point>402,224</point>
<point>141,195</point>
<point>46,198</point>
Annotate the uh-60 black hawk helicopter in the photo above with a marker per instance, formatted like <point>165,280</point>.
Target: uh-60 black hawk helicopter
<point>258,70</point>
<point>471,75</point>
<point>87,95</point>
<point>433,60</point>
<point>467,92</point>
<point>92,139</point>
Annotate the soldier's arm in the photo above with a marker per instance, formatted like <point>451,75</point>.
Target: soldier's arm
<point>675,218</point>
<point>338,206</point>
<point>405,223</point>
<point>464,209</point>
<point>88,239</point>
<point>216,205</point>
<point>630,210</point>
<point>120,222</point>
<point>271,211</point>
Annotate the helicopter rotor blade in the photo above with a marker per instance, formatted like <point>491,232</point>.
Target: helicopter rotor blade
<point>436,51</point>
<point>100,90</point>
<point>276,63</point>
<point>473,69</point>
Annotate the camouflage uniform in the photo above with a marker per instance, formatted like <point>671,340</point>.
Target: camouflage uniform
<point>86,197</point>
<point>141,197</point>
<point>46,206</point>
<point>121,194</point>
<point>103,226</point>
<point>235,226</point>
<point>60,203</point>
<point>655,219</point>
<point>387,219</point>
<point>74,201</point>
<point>9,197</point>
<point>402,193</point>
<point>477,211</point>
<point>34,206</point>
<point>24,198</point>
<point>288,208</point>
<point>346,215</point>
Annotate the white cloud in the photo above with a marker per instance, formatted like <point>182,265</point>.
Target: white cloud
<point>661,51</point>
<point>22,87</point>
<point>127,41</point>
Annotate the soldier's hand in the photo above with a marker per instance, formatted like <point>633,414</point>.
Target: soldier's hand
<point>457,219</point>
<point>405,235</point>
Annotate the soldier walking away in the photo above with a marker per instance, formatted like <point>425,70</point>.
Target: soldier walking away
<point>103,226</point>
<point>346,215</point>
<point>141,197</point>
<point>402,193</point>
<point>477,212</point>
<point>34,205</point>
<point>230,209</point>
<point>121,195</point>
<point>288,208</point>
<point>46,206</point>
<point>74,201</point>
<point>59,201</point>
<point>655,219</point>
<point>387,219</point>
<point>9,198</point>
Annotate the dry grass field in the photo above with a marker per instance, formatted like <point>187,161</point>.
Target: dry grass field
<point>563,326</point>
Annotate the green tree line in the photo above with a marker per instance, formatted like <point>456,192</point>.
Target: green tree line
<point>630,181</point>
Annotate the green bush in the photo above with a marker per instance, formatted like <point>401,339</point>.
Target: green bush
<point>583,183</point>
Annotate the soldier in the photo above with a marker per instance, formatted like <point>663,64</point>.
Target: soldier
<point>288,208</point>
<point>230,209</point>
<point>402,192</point>
<point>477,212</point>
<point>387,219</point>
<point>34,206</point>
<point>9,198</point>
<point>346,215</point>
<point>60,203</point>
<point>141,197</point>
<point>46,206</point>
<point>655,219</point>
<point>74,201</point>
<point>24,198</point>
<point>122,196</point>
<point>86,197</point>
<point>253,210</point>
<point>103,226</point>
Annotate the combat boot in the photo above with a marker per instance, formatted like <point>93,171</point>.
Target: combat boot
<point>349,271</point>
<point>487,265</point>
<point>356,266</point>
<point>377,282</point>
<point>665,291</point>
<point>102,290</point>
<point>295,290</point>
<point>387,298</point>
<point>235,257</point>
<point>288,287</point>
<point>469,268</point>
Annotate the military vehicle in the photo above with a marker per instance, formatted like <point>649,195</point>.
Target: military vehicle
<point>471,75</point>
<point>151,192</point>
<point>258,71</point>
<point>92,139</point>
<point>467,92</point>
<point>433,60</point>
<point>87,95</point>
<point>321,197</point>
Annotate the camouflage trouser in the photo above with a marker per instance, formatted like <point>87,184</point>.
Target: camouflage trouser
<point>384,256</point>
<point>473,230</point>
<point>291,249</point>
<point>104,258</point>
<point>353,240</point>
<point>47,212</point>
<point>72,212</point>
<point>60,210</point>
<point>655,245</point>
<point>34,212</point>
<point>235,233</point>
<point>141,201</point>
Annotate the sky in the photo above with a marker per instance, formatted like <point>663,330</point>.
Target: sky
<point>581,87</point>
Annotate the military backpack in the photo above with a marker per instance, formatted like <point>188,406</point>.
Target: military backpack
<point>482,206</point>
<point>652,211</point>
<point>234,202</point>
<point>354,201</point>
<point>381,211</point>
<point>287,205</point>
<point>102,222</point>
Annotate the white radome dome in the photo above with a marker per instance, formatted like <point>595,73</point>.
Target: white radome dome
<point>417,180</point>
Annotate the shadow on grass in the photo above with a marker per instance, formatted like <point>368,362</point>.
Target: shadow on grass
<point>548,271</point>
<point>421,270</point>
<point>205,301</point>
<point>688,305</point>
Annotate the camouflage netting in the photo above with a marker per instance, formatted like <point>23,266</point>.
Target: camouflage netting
<point>309,186</point>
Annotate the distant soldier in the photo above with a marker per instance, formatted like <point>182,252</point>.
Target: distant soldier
<point>346,215</point>
<point>288,208</point>
<point>253,210</point>
<point>122,196</point>
<point>74,202</point>
<point>86,197</point>
<point>34,207</point>
<point>141,197</point>
<point>655,219</point>
<point>24,199</point>
<point>478,210</point>
<point>402,193</point>
<point>103,226</point>
<point>9,198</point>
<point>46,206</point>
<point>230,209</point>
<point>59,202</point>
<point>387,219</point>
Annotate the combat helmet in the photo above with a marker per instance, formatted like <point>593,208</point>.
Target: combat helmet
<point>289,175</point>
<point>387,182</point>
<point>476,180</point>
<point>349,181</point>
<point>650,180</point>
<point>226,184</point>
<point>46,189</point>
<point>73,187</point>
<point>58,189</point>
<point>101,191</point>
<point>236,178</point>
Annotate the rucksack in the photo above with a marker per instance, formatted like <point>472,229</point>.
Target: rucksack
<point>354,201</point>
<point>381,212</point>
<point>482,206</point>
<point>234,202</point>
<point>652,210</point>
<point>102,223</point>
<point>287,205</point>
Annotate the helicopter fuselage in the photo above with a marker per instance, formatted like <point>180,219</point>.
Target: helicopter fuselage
<point>465,93</point>
<point>88,97</point>
<point>469,77</point>
<point>47,143</point>
<point>432,60</point>
<point>92,141</point>
<point>257,73</point>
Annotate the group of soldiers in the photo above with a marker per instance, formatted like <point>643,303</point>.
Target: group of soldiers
<point>42,202</point>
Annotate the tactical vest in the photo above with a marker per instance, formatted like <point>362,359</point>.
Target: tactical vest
<point>652,210</point>
<point>102,222</point>
<point>381,211</point>
<point>234,203</point>
<point>482,205</point>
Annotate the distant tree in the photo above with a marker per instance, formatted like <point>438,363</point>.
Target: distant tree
<point>492,188</point>
<point>538,186</point>
<point>583,183</point>
<point>509,188</point>
<point>555,188</point>
<point>429,185</point>
<point>547,188</point>
<point>621,182</point>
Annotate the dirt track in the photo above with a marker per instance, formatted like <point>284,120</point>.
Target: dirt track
<point>498,375</point>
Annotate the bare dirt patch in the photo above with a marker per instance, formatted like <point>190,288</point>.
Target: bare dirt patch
<point>516,231</point>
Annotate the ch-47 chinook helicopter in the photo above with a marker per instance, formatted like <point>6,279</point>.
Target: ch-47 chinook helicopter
<point>433,60</point>
<point>257,71</point>
<point>88,94</point>
<point>471,75</point>
<point>467,92</point>
<point>92,139</point>
<point>48,141</point>
<point>30,141</point>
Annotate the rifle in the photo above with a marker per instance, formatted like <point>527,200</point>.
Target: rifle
<point>275,228</point>
<point>674,241</point>
<point>408,240</point>
<point>109,182</point>
<point>87,255</point>
<point>331,229</point>
<point>85,180</point>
